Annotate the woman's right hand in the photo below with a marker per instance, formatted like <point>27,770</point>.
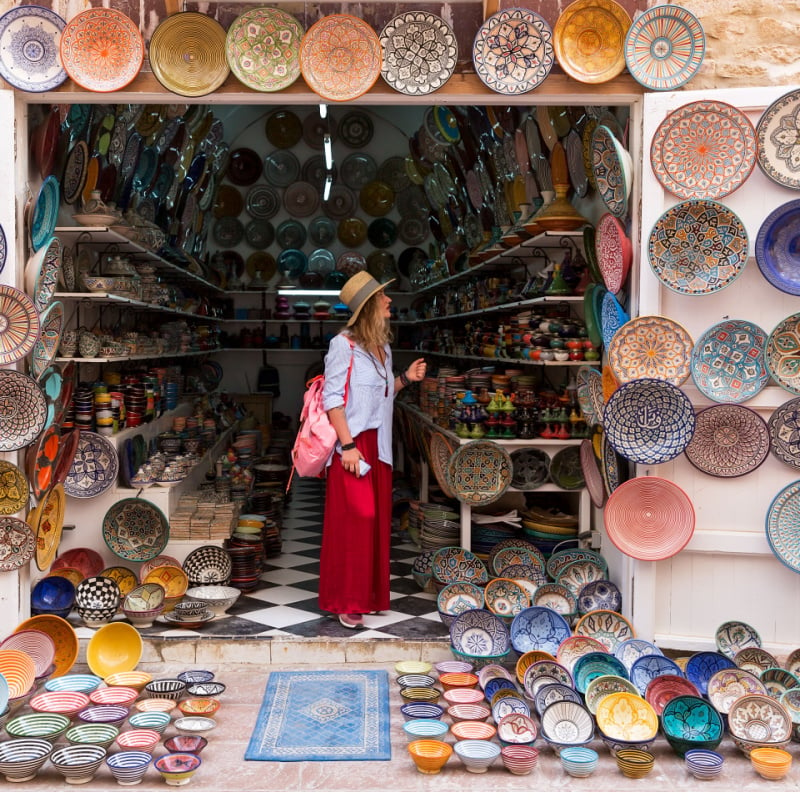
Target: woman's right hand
<point>350,460</point>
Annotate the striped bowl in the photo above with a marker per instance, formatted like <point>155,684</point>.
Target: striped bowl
<point>425,694</point>
<point>20,759</point>
<point>415,681</point>
<point>191,676</point>
<point>73,683</point>
<point>171,688</point>
<point>425,729</point>
<point>139,739</point>
<point>37,644</point>
<point>430,755</point>
<point>129,766</point>
<point>78,762</point>
<point>19,670</point>
<point>579,762</point>
<point>461,712</point>
<point>519,759</point>
<point>421,710</point>
<point>150,720</point>
<point>473,730</point>
<point>155,704</point>
<point>40,725</point>
<point>114,696</point>
<point>458,680</point>
<point>443,667</point>
<point>477,755</point>
<point>110,714</point>
<point>705,765</point>
<point>99,733</point>
<point>64,702</point>
<point>134,679</point>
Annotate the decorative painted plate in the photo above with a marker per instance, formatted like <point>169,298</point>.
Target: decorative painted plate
<point>45,212</point>
<point>589,40</point>
<point>590,394</point>
<point>24,409</point>
<point>613,251</point>
<point>102,49</point>
<point>778,134</point>
<point>356,130</point>
<point>46,347</point>
<point>441,449</point>
<point>592,475</point>
<point>571,649</point>
<point>607,627</point>
<point>611,173</point>
<point>783,353</point>
<point>263,47</point>
<point>46,521</point>
<point>538,628</point>
<point>41,460</point>
<point>614,467</point>
<point>632,649</point>
<point>784,433</point>
<point>703,150</point>
<point>340,57</point>
<point>479,632</point>
<point>698,247</point>
<point>17,543</point>
<point>783,526</point>
<point>733,636</point>
<point>513,51</point>
<point>651,347</point>
<point>19,325</point>
<point>13,489</point>
<point>664,47</point>
<point>41,273</point>
<point>135,529</point>
<point>729,441</point>
<point>95,467</point>
<point>29,57</point>
<point>729,362</point>
<point>479,472</point>
<point>75,172</point>
<point>625,716</point>
<point>776,247</point>
<point>420,52</point>
<point>649,518</point>
<point>649,421</point>
<point>612,317</point>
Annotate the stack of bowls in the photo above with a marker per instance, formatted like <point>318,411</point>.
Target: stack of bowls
<point>97,600</point>
<point>429,755</point>
<point>771,763</point>
<point>519,759</point>
<point>477,755</point>
<point>705,765</point>
<point>218,598</point>
<point>579,762</point>
<point>634,763</point>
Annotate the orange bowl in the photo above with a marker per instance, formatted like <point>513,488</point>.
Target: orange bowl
<point>458,680</point>
<point>470,729</point>
<point>430,755</point>
<point>199,706</point>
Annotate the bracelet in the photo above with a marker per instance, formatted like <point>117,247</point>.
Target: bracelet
<point>404,379</point>
<point>351,446</point>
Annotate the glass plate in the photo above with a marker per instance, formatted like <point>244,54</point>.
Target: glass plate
<point>358,169</point>
<point>259,233</point>
<point>228,202</point>
<point>778,132</point>
<point>513,51</point>
<point>776,251</point>
<point>480,472</point>
<point>135,529</point>
<point>95,467</point>
<point>29,48</point>
<point>290,234</point>
<point>102,49</point>
<point>420,52</point>
<point>262,202</point>
<point>356,129</point>
<point>664,47</point>
<point>261,67</point>
<point>649,421</point>
<point>729,440</point>
<point>703,150</point>
<point>281,168</point>
<point>322,231</point>
<point>784,433</point>
<point>783,346</point>
<point>783,526</point>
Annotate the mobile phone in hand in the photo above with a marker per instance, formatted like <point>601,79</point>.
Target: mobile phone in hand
<point>363,468</point>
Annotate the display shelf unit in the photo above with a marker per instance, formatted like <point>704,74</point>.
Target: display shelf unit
<point>107,298</point>
<point>505,360</point>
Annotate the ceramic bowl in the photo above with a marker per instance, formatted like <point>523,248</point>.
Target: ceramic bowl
<point>425,694</point>
<point>150,720</point>
<point>705,765</point>
<point>39,725</point>
<point>129,767</point>
<point>462,712</point>
<point>443,667</point>
<point>477,755</point>
<point>97,733</point>
<point>421,711</point>
<point>191,610</point>
<point>206,689</point>
<point>53,595</point>
<point>185,743</point>
<point>116,647</point>
<point>73,683</point>
<point>113,715</point>
<point>132,679</point>
<point>748,745</point>
<point>177,769</point>
<point>191,676</point>
<point>20,759</point>
<point>771,763</point>
<point>169,688</point>
<point>461,696</point>
<point>579,762</point>
<point>457,597</point>
<point>114,696</point>
<point>202,725</point>
<point>413,667</point>
<point>425,729</point>
<point>429,755</point>
<point>138,739</point>
<point>199,706</point>
<point>78,763</point>
<point>519,759</point>
<point>95,617</point>
<point>473,729</point>
<point>419,681</point>
<point>145,597</point>
<point>98,593</point>
<point>143,619</point>
<point>634,763</point>
<point>566,724</point>
<point>458,680</point>
<point>65,702</point>
<point>759,718</point>
<point>155,704</point>
<point>691,722</point>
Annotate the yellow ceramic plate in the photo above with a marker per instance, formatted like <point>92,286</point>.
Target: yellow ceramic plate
<point>413,667</point>
<point>47,520</point>
<point>116,647</point>
<point>625,716</point>
<point>63,636</point>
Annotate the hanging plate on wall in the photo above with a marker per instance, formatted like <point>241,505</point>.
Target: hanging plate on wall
<point>784,433</point>
<point>776,248</point>
<point>778,132</point>
<point>783,346</point>
<point>783,526</point>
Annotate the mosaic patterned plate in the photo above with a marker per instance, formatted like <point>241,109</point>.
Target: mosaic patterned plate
<point>783,353</point>
<point>729,441</point>
<point>420,52</point>
<point>612,317</point>
<point>19,325</point>
<point>442,448</point>
<point>94,468</point>
<point>776,248</point>
<point>46,521</point>
<point>29,57</point>
<point>728,361</point>
<point>340,57</point>
<point>45,212</point>
<point>513,51</point>
<point>539,628</point>
<point>46,347</point>
<point>479,472</point>
<point>783,526</point>
<point>17,543</point>
<point>102,49</point>
<point>649,421</point>
<point>24,409</point>
<point>613,251</point>
<point>697,247</point>
<point>607,627</point>
<point>135,529</point>
<point>778,134</point>
<point>479,633</point>
<point>42,272</point>
<point>263,47</point>
<point>13,488</point>
<point>651,347</point>
<point>610,172</point>
<point>664,47</point>
<point>589,383</point>
<point>784,433</point>
<point>589,39</point>
<point>703,150</point>
<point>759,718</point>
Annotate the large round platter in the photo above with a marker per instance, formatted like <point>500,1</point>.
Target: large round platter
<point>777,248</point>
<point>614,252</point>
<point>479,472</point>
<point>17,543</point>
<point>728,361</point>
<point>651,347</point>
<point>263,46</point>
<point>47,520</point>
<point>703,150</point>
<point>45,212</point>
<point>589,39</point>
<point>19,325</point>
<point>442,448</point>
<point>187,54</point>
<point>610,171</point>
<point>664,47</point>
<point>513,51</point>
<point>729,441</point>
<point>46,347</point>
<point>649,421</point>
<point>538,628</point>
<point>135,529</point>
<point>95,467</point>
<point>102,49</point>
<point>777,132</point>
<point>14,491</point>
<point>697,247</point>
<point>24,409</point>
<point>783,526</point>
<point>783,353</point>
<point>784,433</point>
<point>29,37</point>
<point>340,57</point>
<point>649,518</point>
<point>420,52</point>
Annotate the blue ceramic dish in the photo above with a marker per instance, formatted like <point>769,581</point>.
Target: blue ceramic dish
<point>701,666</point>
<point>647,667</point>
<point>53,595</point>
<point>592,665</point>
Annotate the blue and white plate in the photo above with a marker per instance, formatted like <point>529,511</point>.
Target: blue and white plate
<point>647,667</point>
<point>701,666</point>
<point>538,628</point>
<point>95,467</point>
<point>632,649</point>
<point>776,251</point>
<point>599,594</point>
<point>479,633</point>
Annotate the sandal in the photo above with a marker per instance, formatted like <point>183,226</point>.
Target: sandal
<point>351,620</point>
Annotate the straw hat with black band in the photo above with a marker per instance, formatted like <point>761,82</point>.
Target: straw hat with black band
<point>358,290</point>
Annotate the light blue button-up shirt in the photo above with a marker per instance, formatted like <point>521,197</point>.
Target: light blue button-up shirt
<point>370,396</point>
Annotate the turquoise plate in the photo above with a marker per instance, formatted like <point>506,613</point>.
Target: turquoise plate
<point>45,212</point>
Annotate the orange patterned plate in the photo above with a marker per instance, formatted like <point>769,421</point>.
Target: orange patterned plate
<point>62,634</point>
<point>340,57</point>
<point>47,520</point>
<point>102,50</point>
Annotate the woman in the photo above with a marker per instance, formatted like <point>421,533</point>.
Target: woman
<point>358,397</point>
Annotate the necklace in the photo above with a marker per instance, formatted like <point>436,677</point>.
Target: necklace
<point>384,374</point>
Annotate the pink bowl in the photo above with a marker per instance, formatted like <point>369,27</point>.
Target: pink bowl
<point>462,712</point>
<point>138,739</point>
<point>66,703</point>
<point>113,696</point>
<point>457,696</point>
<point>481,731</point>
<point>519,759</point>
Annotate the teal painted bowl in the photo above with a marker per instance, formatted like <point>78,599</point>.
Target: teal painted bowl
<point>690,723</point>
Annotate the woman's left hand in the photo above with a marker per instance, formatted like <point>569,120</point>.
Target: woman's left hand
<point>416,372</point>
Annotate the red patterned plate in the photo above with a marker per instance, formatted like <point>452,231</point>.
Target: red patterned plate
<point>649,518</point>
<point>614,252</point>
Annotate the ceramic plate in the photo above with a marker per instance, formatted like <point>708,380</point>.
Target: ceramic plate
<point>420,53</point>
<point>479,473</point>
<point>777,133</point>
<point>17,543</point>
<point>729,440</point>
<point>19,325</point>
<point>46,521</point>
<point>263,47</point>
<point>356,129</point>
<point>29,57</point>
<point>45,212</point>
<point>784,433</point>
<point>698,247</point>
<point>610,170</point>
<point>649,421</point>
<point>340,57</point>
<point>135,529</point>
<point>612,316</point>
<point>729,363</point>
<point>95,467</point>
<point>244,166</point>
<point>703,150</point>
<point>13,489</point>
<point>607,627</point>
<point>613,251</point>
<point>783,526</point>
<point>25,409</point>
<point>441,449</point>
<point>513,51</point>
<point>592,475</point>
<point>358,169</point>
<point>589,39</point>
<point>41,273</point>
<point>262,202</point>
<point>283,129</point>
<point>102,49</point>
<point>75,172</point>
<point>783,353</point>
<point>776,252</point>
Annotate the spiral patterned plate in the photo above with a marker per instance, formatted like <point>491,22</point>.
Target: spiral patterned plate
<point>442,448</point>
<point>783,526</point>
<point>649,518</point>
<point>94,468</point>
<point>783,353</point>
<point>651,347</point>
<point>479,472</point>
<point>649,421</point>
<point>729,441</point>
<point>784,433</point>
<point>24,407</point>
<point>703,150</point>
<point>135,529</point>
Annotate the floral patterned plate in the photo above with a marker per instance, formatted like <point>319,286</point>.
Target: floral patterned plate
<point>608,627</point>
<point>135,529</point>
<point>94,468</point>
<point>539,628</point>
<point>778,134</point>
<point>783,353</point>
<point>479,633</point>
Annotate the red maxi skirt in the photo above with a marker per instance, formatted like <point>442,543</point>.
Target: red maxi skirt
<point>354,562</point>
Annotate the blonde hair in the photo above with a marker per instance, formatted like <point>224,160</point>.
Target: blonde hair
<point>371,329</point>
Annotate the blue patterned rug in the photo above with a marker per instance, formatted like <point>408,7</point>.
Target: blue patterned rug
<point>323,716</point>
